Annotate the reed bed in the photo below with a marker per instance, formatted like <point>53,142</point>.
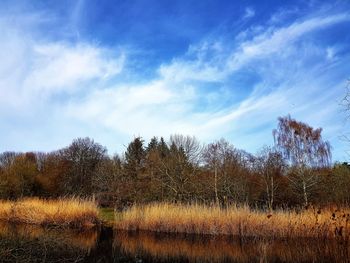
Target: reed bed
<point>236,220</point>
<point>65,212</point>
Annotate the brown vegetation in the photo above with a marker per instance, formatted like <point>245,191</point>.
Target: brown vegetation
<point>238,221</point>
<point>297,171</point>
<point>73,212</point>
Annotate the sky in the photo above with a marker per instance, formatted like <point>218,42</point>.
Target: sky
<point>115,70</point>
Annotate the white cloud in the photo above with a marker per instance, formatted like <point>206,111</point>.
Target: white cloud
<point>32,68</point>
<point>168,103</point>
<point>248,13</point>
<point>180,71</point>
<point>330,53</point>
<point>212,62</point>
<point>124,110</point>
<point>277,40</point>
<point>57,67</point>
<point>154,108</point>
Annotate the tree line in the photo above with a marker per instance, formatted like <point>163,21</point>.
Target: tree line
<point>296,171</point>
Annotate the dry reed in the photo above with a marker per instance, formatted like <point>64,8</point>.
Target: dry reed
<point>237,221</point>
<point>72,212</point>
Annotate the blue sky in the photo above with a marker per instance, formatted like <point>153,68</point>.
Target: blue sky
<point>112,70</point>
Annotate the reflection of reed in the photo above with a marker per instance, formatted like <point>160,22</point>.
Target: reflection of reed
<point>212,250</point>
<point>28,251</point>
<point>222,249</point>
<point>85,240</point>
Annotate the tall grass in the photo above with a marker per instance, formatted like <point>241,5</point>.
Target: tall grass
<point>72,212</point>
<point>237,221</point>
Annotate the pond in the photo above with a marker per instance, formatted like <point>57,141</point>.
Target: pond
<point>27,243</point>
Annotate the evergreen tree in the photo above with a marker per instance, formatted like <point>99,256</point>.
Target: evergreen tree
<point>163,148</point>
<point>135,157</point>
<point>152,145</point>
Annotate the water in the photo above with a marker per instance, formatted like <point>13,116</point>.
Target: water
<point>26,243</point>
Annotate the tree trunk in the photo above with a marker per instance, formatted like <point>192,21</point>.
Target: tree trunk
<point>216,185</point>
<point>305,194</point>
<point>272,193</point>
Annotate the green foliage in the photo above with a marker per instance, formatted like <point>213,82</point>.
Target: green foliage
<point>107,215</point>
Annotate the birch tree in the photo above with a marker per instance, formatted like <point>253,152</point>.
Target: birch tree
<point>269,165</point>
<point>304,148</point>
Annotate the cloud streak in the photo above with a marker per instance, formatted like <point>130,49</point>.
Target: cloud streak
<point>37,68</point>
<point>177,77</point>
<point>248,13</point>
<point>82,84</point>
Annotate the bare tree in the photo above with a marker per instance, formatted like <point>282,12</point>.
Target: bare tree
<point>176,172</point>
<point>7,159</point>
<point>107,181</point>
<point>229,168</point>
<point>217,156</point>
<point>346,99</point>
<point>345,104</point>
<point>304,148</point>
<point>211,156</point>
<point>269,165</point>
<point>84,157</point>
<point>190,145</point>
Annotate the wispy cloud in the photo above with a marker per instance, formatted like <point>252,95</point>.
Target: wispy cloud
<point>274,40</point>
<point>173,109</point>
<point>249,12</point>
<point>57,67</point>
<point>34,68</point>
<point>80,84</point>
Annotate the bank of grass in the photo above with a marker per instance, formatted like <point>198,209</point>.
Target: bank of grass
<point>107,215</point>
<point>235,220</point>
<point>64,212</point>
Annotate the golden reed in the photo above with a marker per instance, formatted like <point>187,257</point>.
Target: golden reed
<point>65,212</point>
<point>237,221</point>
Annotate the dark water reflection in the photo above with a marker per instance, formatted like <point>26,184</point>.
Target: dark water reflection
<point>160,248</point>
<point>25,243</point>
<point>28,243</point>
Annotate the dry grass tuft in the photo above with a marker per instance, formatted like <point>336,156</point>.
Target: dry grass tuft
<point>237,221</point>
<point>72,212</point>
